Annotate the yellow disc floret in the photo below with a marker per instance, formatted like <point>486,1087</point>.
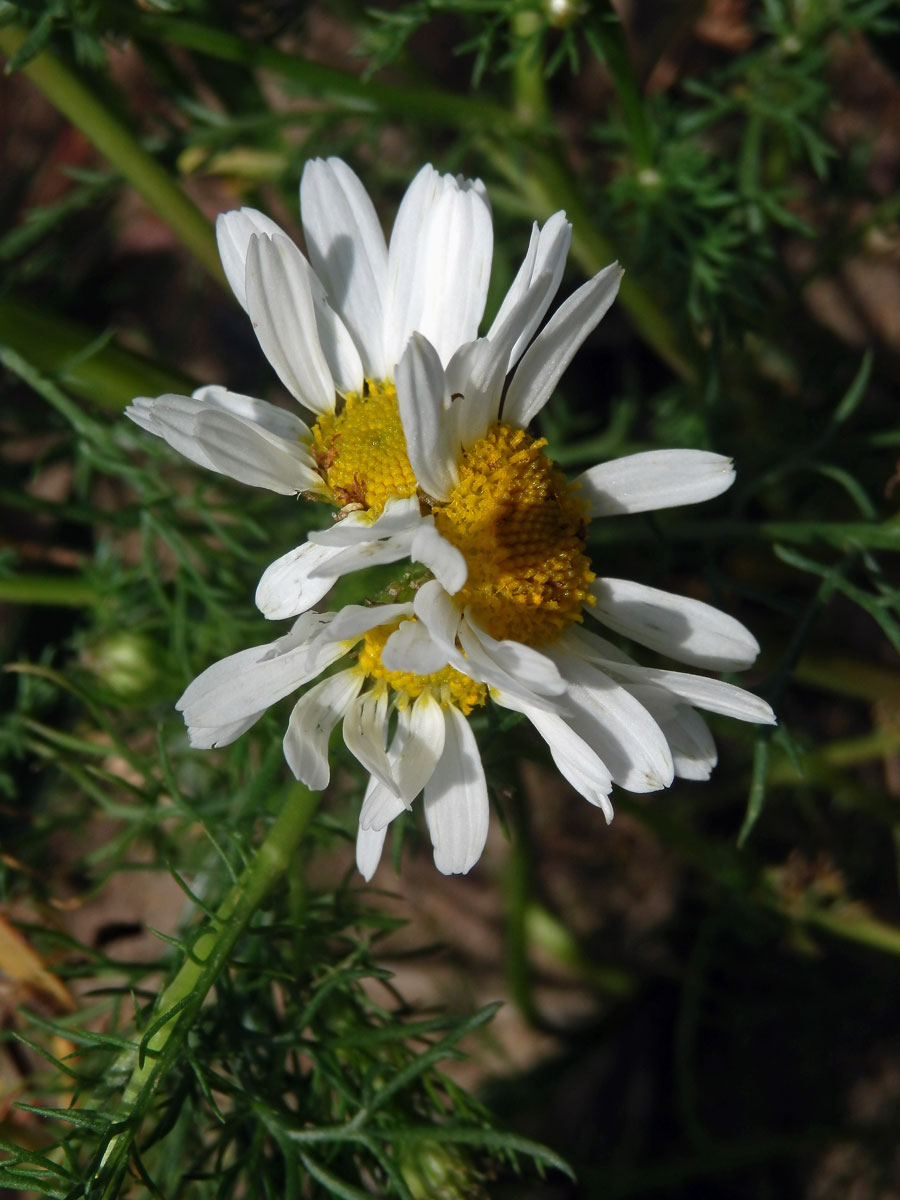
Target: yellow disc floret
<point>521,530</point>
<point>448,686</point>
<point>361,451</point>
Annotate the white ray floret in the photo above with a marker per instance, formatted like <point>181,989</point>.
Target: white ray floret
<point>390,328</point>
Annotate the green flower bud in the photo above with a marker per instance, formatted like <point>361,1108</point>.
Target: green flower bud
<point>436,1171</point>
<point>126,663</point>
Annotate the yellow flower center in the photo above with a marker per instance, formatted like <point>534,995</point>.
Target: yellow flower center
<point>521,531</point>
<point>448,686</point>
<point>519,526</point>
<point>361,452</point>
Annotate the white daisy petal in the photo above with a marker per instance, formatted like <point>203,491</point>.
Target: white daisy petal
<point>441,557</point>
<point>275,420</point>
<point>268,431</point>
<point>337,345</point>
<point>480,665</point>
<point>305,628</point>
<point>354,620</point>
<point>688,735</point>
<point>208,737</point>
<point>553,349</point>
<point>439,615</point>
<point>541,271</point>
<point>172,418</point>
<point>313,718</point>
<point>524,275</point>
<point>620,730</point>
<point>251,455</point>
<point>281,307</point>
<point>477,372</point>
<point>369,845</point>
<point>365,730</point>
<point>693,749</point>
<point>576,760</point>
<point>233,233</point>
<point>655,479</point>
<point>347,249</point>
<point>461,247</point>
<point>423,745</point>
<point>367,554</point>
<point>685,629</point>
<point>406,282</point>
<point>438,264</point>
<point>528,666</point>
<point>475,378</point>
<point>465,366</point>
<point>398,516</point>
<point>238,686</point>
<point>412,648</point>
<point>380,806</point>
<point>713,695</point>
<point>456,800</point>
<point>424,401</point>
<point>289,586</point>
<point>584,643</point>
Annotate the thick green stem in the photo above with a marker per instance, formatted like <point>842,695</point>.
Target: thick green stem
<point>105,374</point>
<point>529,87</point>
<point>854,926</point>
<point>518,888</point>
<point>78,104</point>
<point>62,590</point>
<point>208,956</point>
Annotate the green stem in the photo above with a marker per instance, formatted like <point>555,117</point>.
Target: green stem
<point>849,752</point>
<point>207,957</point>
<point>529,88</point>
<point>324,83</point>
<point>105,374</point>
<point>854,927</point>
<point>78,104</point>
<point>611,36</point>
<point>518,889</point>
<point>61,590</point>
<point>848,676</point>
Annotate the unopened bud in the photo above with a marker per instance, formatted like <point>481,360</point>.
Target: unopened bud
<point>124,662</point>
<point>435,1171</point>
<point>563,13</point>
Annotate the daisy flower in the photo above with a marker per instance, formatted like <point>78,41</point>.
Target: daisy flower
<point>421,442</point>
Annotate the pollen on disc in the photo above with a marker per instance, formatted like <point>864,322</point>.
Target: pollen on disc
<point>361,452</point>
<point>448,686</point>
<point>522,532</point>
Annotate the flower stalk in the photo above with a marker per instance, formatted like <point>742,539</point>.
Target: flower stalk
<point>206,958</point>
<point>67,93</point>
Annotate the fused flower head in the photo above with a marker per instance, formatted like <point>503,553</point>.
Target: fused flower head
<point>421,443</point>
